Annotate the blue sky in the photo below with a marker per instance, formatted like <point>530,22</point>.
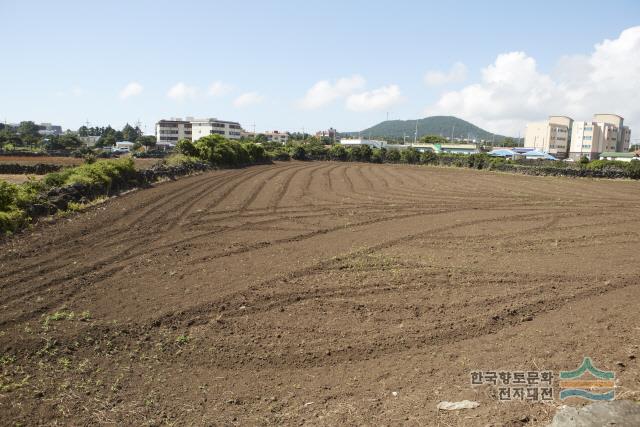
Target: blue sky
<point>288,65</point>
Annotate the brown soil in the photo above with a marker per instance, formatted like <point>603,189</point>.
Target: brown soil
<point>19,179</point>
<point>28,160</point>
<point>311,292</point>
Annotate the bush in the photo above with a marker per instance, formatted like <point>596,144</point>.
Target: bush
<point>257,153</point>
<point>103,172</point>
<point>280,154</point>
<point>393,156</point>
<point>186,147</point>
<point>338,152</point>
<point>361,153</point>
<point>298,152</point>
<point>428,157</point>
<point>180,160</point>
<point>378,155</point>
<point>409,155</point>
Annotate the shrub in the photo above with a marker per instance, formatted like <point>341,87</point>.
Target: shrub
<point>409,155</point>
<point>428,157</point>
<point>8,195</point>
<point>338,152</point>
<point>186,147</point>
<point>257,153</point>
<point>361,153</point>
<point>280,154</point>
<point>180,160</point>
<point>393,156</point>
<point>378,155</point>
<point>298,152</point>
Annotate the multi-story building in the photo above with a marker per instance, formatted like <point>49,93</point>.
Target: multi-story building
<point>561,137</point>
<point>330,133</point>
<point>273,136</point>
<point>616,121</point>
<point>552,136</point>
<point>586,140</point>
<point>204,127</point>
<point>169,132</point>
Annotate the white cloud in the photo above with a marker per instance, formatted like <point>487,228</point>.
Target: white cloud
<point>132,89</point>
<point>181,91</point>
<point>325,92</point>
<point>248,99</point>
<point>513,91</point>
<point>457,74</point>
<point>376,99</point>
<point>219,89</point>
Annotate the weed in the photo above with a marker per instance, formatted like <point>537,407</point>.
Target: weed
<point>183,339</point>
<point>7,385</point>
<point>57,316</point>
<point>65,363</point>
<point>6,359</point>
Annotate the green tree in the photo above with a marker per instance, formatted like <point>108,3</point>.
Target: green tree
<point>433,139</point>
<point>428,157</point>
<point>186,147</point>
<point>338,152</point>
<point>28,128</point>
<point>361,153</point>
<point>378,155</point>
<point>260,138</point>
<point>148,141</point>
<point>393,156</point>
<point>129,133</point>
<point>298,152</point>
<point>410,155</point>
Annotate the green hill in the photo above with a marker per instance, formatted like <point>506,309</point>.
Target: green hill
<point>436,125</point>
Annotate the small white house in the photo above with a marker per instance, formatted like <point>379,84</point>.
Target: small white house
<point>125,146</point>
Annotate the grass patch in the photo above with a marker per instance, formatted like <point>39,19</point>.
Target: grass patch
<point>58,316</point>
<point>183,339</point>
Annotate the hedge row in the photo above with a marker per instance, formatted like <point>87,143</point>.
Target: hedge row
<point>222,152</point>
<point>19,204</point>
<point>593,169</point>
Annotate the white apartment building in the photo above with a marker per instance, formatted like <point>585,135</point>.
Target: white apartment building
<point>561,137</point>
<point>618,123</point>
<point>273,136</point>
<point>169,132</point>
<point>552,136</point>
<point>204,127</point>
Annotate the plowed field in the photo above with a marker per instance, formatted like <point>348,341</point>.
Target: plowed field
<point>325,293</point>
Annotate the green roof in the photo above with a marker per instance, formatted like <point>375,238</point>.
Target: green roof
<point>616,154</point>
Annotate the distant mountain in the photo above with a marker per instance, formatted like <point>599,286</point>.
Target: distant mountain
<point>435,125</point>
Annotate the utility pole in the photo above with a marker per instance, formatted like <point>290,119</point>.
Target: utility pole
<point>415,135</point>
<point>452,130</point>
